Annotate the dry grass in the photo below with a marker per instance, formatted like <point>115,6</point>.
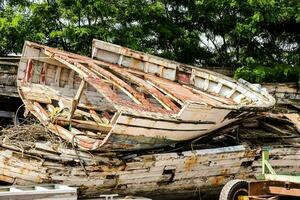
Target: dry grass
<point>25,136</point>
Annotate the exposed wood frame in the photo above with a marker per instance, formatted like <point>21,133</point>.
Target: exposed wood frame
<point>164,101</point>
<point>127,89</point>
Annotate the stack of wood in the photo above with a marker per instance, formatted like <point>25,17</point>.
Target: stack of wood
<point>8,77</point>
<point>285,93</point>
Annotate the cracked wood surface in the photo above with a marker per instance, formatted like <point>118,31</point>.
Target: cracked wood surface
<point>154,174</point>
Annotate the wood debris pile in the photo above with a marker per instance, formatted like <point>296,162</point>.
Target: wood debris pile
<point>29,155</point>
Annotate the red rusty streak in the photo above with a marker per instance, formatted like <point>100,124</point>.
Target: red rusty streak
<point>43,74</point>
<point>82,141</point>
<point>114,79</point>
<point>175,89</point>
<point>152,90</point>
<point>29,70</point>
<point>183,78</point>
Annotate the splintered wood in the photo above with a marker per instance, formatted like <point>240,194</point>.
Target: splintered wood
<point>130,108</point>
<point>295,119</point>
<point>29,156</point>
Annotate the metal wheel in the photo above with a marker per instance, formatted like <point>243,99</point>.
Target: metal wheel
<point>234,190</point>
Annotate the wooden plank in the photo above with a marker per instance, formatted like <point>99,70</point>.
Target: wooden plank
<point>75,100</point>
<point>97,119</point>
<point>71,79</point>
<point>220,85</point>
<point>146,122</point>
<point>127,89</point>
<point>85,124</point>
<point>57,76</point>
<point>274,129</point>
<point>164,101</point>
<point>206,84</point>
<point>174,90</point>
<point>214,100</point>
<point>90,100</point>
<point>295,119</point>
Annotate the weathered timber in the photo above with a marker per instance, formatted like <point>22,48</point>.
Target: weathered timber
<point>285,93</point>
<point>145,109</point>
<point>8,77</point>
<point>198,167</point>
<point>154,174</point>
<point>295,119</point>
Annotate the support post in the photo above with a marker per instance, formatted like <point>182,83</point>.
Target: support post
<point>76,99</point>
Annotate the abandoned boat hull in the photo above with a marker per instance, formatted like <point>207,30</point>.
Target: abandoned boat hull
<point>132,133</point>
<point>99,105</point>
<point>137,132</point>
<point>157,174</point>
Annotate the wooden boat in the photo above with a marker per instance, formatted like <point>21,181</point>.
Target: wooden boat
<point>29,155</point>
<point>127,100</point>
<point>167,175</point>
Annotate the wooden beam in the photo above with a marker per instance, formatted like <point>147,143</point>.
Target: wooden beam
<point>165,92</point>
<point>43,74</point>
<point>220,85</point>
<point>90,77</point>
<point>156,94</point>
<point>269,127</point>
<point>232,91</point>
<point>119,83</point>
<point>84,124</point>
<point>211,99</point>
<point>76,99</point>
<point>71,79</point>
<point>206,84</point>
<point>57,76</point>
<point>295,119</point>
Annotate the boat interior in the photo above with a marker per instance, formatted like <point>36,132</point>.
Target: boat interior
<point>64,89</point>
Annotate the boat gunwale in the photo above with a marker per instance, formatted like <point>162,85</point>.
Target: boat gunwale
<point>267,104</point>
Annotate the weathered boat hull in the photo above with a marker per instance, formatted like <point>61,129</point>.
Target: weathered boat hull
<point>158,174</point>
<point>98,105</point>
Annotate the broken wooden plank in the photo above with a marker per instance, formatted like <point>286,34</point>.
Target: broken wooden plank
<point>295,119</point>
<point>75,100</point>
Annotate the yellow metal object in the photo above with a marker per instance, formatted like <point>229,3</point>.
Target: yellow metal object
<point>243,198</point>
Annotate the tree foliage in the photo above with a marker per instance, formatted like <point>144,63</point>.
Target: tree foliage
<point>218,33</point>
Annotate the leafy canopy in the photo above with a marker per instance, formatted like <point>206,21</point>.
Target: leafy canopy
<point>253,34</point>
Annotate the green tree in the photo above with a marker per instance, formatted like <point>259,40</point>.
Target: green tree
<point>217,33</point>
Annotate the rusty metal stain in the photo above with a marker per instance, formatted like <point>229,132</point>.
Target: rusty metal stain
<point>217,181</point>
<point>135,63</point>
<point>190,162</point>
<point>225,171</point>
